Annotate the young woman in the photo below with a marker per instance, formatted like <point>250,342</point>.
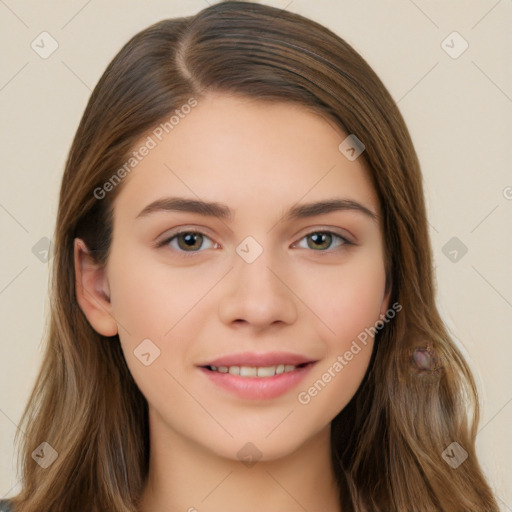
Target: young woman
<point>243,312</point>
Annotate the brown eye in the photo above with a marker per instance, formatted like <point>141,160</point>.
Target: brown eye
<point>191,241</point>
<point>323,240</point>
<point>187,241</point>
<point>320,240</point>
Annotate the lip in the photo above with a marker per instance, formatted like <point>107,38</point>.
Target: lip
<point>255,359</point>
<point>258,388</point>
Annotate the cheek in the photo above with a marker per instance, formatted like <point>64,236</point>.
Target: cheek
<point>349,305</point>
<point>336,378</point>
<point>156,308</point>
<point>150,298</point>
<point>348,299</point>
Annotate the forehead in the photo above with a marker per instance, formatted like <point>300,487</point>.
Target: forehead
<point>245,153</point>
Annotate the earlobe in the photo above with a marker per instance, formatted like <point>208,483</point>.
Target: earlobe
<point>92,291</point>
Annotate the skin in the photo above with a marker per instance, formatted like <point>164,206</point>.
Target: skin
<point>259,159</point>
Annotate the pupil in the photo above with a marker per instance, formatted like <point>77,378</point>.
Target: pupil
<point>190,239</point>
<point>317,238</point>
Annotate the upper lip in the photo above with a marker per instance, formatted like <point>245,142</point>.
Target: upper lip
<point>261,360</point>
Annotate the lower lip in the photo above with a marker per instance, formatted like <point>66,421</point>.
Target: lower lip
<point>258,388</point>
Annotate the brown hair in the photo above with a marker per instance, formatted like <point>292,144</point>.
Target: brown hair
<point>387,443</point>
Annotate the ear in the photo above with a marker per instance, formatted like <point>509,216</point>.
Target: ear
<point>92,291</point>
<point>385,303</point>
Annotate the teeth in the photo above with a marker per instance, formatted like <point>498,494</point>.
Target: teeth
<point>266,371</point>
<point>248,371</point>
<point>253,371</point>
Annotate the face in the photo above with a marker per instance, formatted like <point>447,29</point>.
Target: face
<point>277,291</point>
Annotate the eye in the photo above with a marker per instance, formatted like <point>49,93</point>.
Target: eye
<point>187,241</point>
<point>322,240</point>
<point>193,241</point>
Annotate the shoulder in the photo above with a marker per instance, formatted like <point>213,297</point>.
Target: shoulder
<point>5,506</point>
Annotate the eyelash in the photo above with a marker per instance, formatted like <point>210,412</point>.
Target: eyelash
<point>344,240</point>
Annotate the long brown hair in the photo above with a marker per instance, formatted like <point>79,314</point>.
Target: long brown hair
<point>418,395</point>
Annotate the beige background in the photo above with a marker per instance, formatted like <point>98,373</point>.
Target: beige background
<point>459,112</point>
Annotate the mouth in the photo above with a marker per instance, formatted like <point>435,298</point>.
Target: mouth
<point>257,377</point>
<point>256,371</point>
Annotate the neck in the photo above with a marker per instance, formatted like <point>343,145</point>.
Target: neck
<point>185,476</point>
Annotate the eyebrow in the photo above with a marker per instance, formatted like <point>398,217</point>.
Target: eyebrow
<point>221,211</point>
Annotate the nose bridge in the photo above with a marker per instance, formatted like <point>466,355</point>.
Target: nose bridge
<point>252,269</point>
<point>256,292</point>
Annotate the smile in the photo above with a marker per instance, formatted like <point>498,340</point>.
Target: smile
<point>256,382</point>
<point>255,371</point>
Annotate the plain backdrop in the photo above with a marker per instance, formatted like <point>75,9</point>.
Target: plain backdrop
<point>457,103</point>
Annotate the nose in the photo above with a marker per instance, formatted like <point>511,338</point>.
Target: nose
<point>258,294</point>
